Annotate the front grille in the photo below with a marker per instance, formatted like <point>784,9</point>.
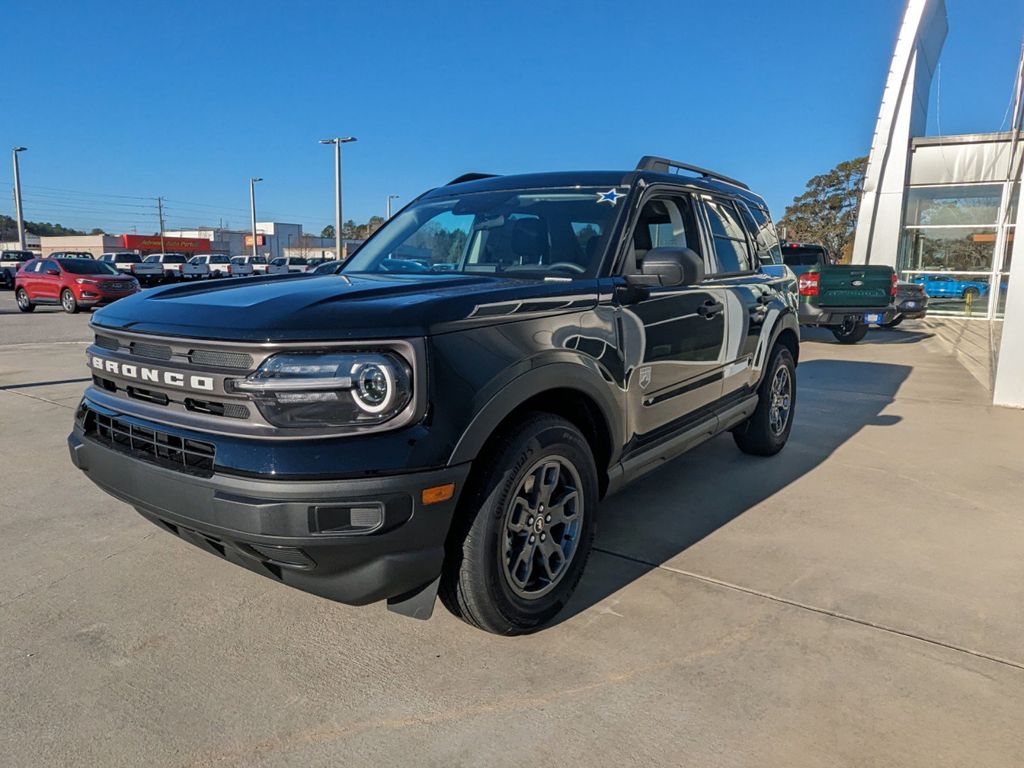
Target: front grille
<point>218,359</point>
<point>156,351</point>
<point>192,456</point>
<point>107,342</point>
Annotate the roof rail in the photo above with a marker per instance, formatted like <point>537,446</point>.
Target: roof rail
<point>470,177</point>
<point>664,165</point>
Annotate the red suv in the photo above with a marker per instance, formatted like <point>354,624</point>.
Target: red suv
<point>72,283</point>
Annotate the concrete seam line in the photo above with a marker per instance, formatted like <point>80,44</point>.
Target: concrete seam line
<point>815,609</point>
<point>40,399</point>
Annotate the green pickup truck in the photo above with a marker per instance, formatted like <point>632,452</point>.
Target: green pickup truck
<point>844,298</point>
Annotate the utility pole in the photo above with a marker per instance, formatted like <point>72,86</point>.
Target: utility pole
<point>390,198</point>
<point>337,142</point>
<point>17,198</point>
<point>252,211</point>
<point>160,212</point>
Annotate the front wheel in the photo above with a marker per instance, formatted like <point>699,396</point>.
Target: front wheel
<point>68,301</point>
<point>24,303</point>
<point>850,332</point>
<point>8,280</point>
<point>765,433</point>
<point>525,528</point>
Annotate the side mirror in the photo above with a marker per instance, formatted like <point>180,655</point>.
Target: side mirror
<point>673,266</point>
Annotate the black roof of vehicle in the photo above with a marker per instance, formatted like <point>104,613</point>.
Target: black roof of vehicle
<point>650,170</point>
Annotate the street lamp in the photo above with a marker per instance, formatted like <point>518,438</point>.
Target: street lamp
<point>390,198</point>
<point>17,198</point>
<point>252,211</point>
<point>337,142</point>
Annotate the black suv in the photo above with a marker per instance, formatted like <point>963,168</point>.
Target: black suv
<point>448,410</point>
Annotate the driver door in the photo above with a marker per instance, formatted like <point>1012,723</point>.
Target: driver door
<point>679,331</point>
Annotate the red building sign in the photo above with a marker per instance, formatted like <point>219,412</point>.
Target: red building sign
<point>152,244</point>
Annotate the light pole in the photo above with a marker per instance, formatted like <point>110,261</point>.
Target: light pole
<point>390,198</point>
<point>337,142</point>
<point>252,211</point>
<point>17,198</point>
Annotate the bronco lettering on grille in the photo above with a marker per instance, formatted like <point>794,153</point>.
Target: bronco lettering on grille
<point>155,375</point>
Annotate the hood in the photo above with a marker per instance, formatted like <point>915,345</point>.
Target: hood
<point>338,307</point>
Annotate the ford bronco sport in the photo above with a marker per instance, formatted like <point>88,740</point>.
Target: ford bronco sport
<point>446,412</point>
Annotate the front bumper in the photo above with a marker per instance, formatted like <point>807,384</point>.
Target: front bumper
<point>286,530</point>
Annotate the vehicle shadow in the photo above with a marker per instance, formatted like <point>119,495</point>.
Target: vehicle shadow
<point>668,511</point>
<point>875,336</point>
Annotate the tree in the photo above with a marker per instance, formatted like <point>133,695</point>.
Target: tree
<point>327,231</point>
<point>96,231</point>
<point>826,212</point>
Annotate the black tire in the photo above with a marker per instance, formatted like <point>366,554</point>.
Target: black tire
<point>68,302</point>
<point>24,303</point>
<point>8,280</point>
<point>764,434</point>
<point>480,581</point>
<point>850,332</point>
<point>894,322</point>
<point>971,293</point>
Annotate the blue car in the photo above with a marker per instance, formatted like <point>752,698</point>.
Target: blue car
<point>951,286</point>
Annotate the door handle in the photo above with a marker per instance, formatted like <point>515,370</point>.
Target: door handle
<point>710,308</point>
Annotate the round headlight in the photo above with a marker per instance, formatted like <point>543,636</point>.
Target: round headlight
<point>373,387</point>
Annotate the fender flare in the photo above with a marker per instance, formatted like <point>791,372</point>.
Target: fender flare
<point>543,378</point>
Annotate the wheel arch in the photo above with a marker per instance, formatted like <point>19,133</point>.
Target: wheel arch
<point>561,389</point>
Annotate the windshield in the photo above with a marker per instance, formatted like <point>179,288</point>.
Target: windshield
<point>173,258</point>
<point>16,256</point>
<point>127,258</point>
<point>86,267</point>
<point>806,256</point>
<point>539,233</point>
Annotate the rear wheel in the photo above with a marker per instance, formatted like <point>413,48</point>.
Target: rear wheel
<point>971,293</point>
<point>850,332</point>
<point>8,280</point>
<point>68,301</point>
<point>525,529</point>
<point>24,303</point>
<point>765,433</point>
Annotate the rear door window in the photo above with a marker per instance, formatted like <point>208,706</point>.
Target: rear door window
<point>729,235</point>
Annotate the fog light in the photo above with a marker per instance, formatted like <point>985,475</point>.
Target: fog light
<point>347,518</point>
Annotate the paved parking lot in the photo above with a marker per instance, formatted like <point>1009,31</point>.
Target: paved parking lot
<point>855,601</point>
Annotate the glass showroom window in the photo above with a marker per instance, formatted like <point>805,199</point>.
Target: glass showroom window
<point>948,245</point>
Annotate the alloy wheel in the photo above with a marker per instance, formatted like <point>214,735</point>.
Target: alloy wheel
<point>542,527</point>
<point>782,400</point>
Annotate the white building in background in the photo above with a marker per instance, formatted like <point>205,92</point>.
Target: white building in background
<point>943,210</point>
<point>272,238</point>
<point>31,243</point>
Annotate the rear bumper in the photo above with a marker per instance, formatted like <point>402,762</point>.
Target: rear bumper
<point>813,315</point>
<point>291,531</point>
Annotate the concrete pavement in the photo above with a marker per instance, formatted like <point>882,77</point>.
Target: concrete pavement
<point>856,601</point>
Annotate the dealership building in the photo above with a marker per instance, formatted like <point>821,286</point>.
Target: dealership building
<point>943,211</point>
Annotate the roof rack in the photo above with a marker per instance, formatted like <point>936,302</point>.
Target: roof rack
<point>470,177</point>
<point>664,165</point>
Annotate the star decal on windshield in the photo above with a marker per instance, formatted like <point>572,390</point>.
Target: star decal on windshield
<point>611,196</point>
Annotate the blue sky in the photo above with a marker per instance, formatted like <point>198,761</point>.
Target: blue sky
<point>121,102</point>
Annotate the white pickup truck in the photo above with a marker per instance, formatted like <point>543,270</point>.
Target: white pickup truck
<point>243,266</point>
<point>176,266</point>
<point>285,264</point>
<point>217,263</point>
<point>131,263</point>
<point>10,262</point>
